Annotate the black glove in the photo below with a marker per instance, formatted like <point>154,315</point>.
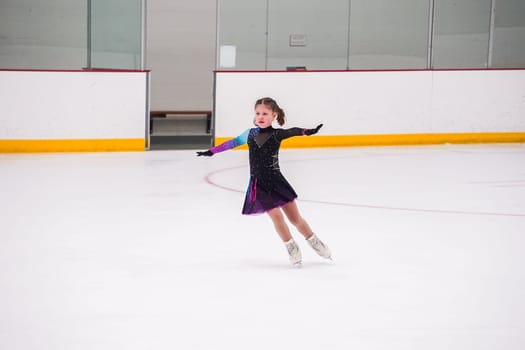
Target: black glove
<point>207,153</point>
<point>313,131</point>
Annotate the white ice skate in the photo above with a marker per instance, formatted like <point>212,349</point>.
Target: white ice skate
<point>294,252</point>
<point>319,247</point>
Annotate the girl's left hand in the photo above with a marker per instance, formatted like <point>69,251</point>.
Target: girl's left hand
<point>313,131</point>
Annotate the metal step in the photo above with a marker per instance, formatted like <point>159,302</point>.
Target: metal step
<point>180,142</point>
<point>179,126</point>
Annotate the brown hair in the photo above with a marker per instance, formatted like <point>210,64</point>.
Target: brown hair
<point>270,103</point>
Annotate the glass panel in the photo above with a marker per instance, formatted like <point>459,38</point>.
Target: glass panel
<point>115,34</point>
<point>509,34</point>
<point>39,34</point>
<point>242,34</point>
<point>461,33</point>
<point>386,34</point>
<point>311,34</point>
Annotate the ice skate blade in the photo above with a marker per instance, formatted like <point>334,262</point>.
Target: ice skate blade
<point>297,265</point>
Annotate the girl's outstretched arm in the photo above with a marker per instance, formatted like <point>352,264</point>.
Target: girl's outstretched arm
<point>227,145</point>
<point>286,133</point>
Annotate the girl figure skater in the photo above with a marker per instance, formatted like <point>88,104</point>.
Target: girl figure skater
<point>268,191</point>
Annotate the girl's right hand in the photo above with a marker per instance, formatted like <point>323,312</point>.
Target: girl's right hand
<point>207,153</point>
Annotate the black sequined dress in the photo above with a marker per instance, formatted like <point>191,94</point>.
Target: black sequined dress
<point>267,188</point>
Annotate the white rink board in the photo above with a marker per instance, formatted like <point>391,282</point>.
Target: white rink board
<point>377,102</point>
<point>39,105</point>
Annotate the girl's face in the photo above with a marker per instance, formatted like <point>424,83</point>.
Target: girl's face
<point>264,116</point>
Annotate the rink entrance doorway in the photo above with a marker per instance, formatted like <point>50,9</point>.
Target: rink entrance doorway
<point>170,129</point>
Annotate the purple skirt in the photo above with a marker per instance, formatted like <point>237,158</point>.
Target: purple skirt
<point>266,194</point>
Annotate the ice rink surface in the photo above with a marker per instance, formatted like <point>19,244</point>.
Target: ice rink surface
<point>149,251</point>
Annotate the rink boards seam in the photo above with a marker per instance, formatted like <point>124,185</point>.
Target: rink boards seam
<point>396,139</point>
<point>70,145</point>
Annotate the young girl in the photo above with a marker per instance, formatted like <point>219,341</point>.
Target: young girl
<point>268,191</point>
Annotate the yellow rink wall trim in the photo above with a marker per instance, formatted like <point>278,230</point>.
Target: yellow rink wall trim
<point>83,145</point>
<point>395,139</point>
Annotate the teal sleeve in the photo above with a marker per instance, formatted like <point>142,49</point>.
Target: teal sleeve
<point>235,142</point>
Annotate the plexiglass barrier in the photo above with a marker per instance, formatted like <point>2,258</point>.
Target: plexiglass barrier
<point>370,34</point>
<point>71,34</point>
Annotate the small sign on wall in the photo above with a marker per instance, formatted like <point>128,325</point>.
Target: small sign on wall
<point>297,40</point>
<point>227,56</point>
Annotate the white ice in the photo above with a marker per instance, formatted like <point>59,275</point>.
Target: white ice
<point>149,251</point>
